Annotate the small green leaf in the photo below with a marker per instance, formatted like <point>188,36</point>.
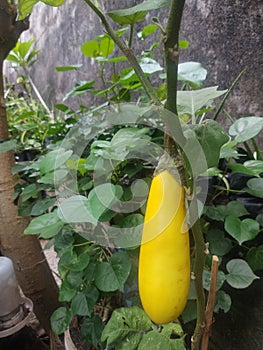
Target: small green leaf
<point>192,72</point>
<point>74,262</point>
<point>91,329</point>
<point>207,279</point>
<point>183,44</point>
<point>240,274</point>
<point>60,320</point>
<point>218,244</point>
<point>254,258</point>
<point>211,137</point>
<point>66,292</point>
<point>149,29</point>
<point>223,301</point>
<point>242,231</point>
<point>68,68</point>
<point>246,128</point>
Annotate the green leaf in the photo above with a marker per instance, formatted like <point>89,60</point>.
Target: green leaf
<point>183,44</point>
<point>102,198</point>
<point>60,320</point>
<point>190,102</point>
<point>76,209</point>
<point>126,326</point>
<point>8,145</point>
<point>106,47</point>
<point>255,187</point>
<point>75,278</point>
<point>207,279</point>
<point>46,225</point>
<point>111,276</point>
<point>211,137</point>
<point>147,30</point>
<point>53,160</point>
<point>80,88</point>
<point>26,6</point>
<point>91,329</point>
<point>66,292</point>
<point>54,178</point>
<point>246,128</point>
<point>251,167</point>
<point>192,72</point>
<point>68,68</point>
<point>240,274</point>
<point>79,305</point>
<point>154,340</point>
<point>150,66</point>
<point>158,341</point>
<point>218,244</point>
<point>137,13</point>
<point>254,258</point>
<point>90,48</point>
<point>242,231</point>
<point>223,301</point>
<point>74,262</point>
<point>189,313</point>
<point>42,206</point>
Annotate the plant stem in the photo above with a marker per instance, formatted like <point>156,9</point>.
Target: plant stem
<point>200,249</point>
<point>227,94</point>
<point>210,303</point>
<point>171,53</point>
<point>171,43</point>
<point>131,35</point>
<point>128,52</point>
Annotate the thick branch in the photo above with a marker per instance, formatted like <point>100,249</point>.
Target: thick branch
<point>10,28</point>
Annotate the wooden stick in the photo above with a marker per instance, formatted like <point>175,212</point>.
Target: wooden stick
<point>210,303</point>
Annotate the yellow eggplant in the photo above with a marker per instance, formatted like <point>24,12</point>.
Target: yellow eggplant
<point>164,261</point>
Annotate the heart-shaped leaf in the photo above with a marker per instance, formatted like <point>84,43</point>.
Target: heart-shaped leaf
<point>112,275</point>
<point>240,274</point>
<point>245,128</point>
<point>242,231</point>
<point>255,187</point>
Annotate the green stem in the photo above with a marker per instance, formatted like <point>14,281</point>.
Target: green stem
<point>128,52</point>
<point>227,94</point>
<point>131,35</point>
<point>171,53</point>
<point>200,249</point>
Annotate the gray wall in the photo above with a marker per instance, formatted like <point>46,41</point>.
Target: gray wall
<point>225,36</point>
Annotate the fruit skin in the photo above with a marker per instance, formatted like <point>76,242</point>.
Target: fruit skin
<point>164,261</point>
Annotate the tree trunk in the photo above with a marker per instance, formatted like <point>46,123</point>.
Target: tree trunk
<point>32,270</point>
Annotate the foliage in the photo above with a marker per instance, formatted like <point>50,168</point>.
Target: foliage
<point>87,194</point>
